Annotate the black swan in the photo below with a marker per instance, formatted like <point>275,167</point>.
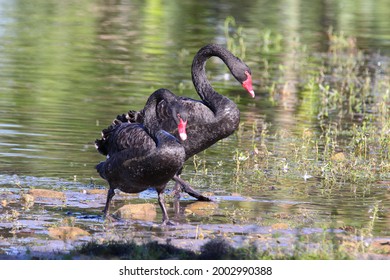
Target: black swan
<point>140,156</point>
<point>210,119</point>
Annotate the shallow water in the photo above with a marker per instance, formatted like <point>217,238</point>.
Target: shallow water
<point>67,69</point>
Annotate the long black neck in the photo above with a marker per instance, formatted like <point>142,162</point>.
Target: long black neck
<point>151,122</point>
<point>202,85</point>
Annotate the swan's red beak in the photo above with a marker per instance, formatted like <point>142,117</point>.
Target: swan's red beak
<point>182,129</point>
<point>247,84</point>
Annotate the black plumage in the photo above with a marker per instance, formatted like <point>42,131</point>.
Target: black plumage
<point>140,156</point>
<point>210,119</point>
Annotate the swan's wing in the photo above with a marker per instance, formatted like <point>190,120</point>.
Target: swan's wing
<point>134,116</point>
<point>163,113</point>
<point>198,112</point>
<point>163,108</point>
<point>163,116</point>
<point>120,136</point>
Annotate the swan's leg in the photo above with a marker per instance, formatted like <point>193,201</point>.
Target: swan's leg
<point>110,195</point>
<point>176,207</point>
<point>186,187</point>
<point>161,202</point>
<point>177,189</point>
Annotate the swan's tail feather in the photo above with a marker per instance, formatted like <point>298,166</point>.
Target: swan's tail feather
<point>102,145</point>
<point>122,118</point>
<point>135,116</point>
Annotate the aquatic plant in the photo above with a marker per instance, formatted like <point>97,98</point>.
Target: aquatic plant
<point>234,37</point>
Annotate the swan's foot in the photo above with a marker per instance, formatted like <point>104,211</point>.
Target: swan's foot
<point>168,223</point>
<point>105,213</point>
<point>110,218</point>
<point>186,187</point>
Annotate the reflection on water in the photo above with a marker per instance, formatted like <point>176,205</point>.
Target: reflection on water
<point>68,68</point>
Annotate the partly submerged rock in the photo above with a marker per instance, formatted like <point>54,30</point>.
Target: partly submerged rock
<point>43,193</point>
<point>95,191</point>
<point>4,203</point>
<point>279,226</point>
<point>143,211</point>
<point>27,200</point>
<point>241,197</point>
<point>201,208</point>
<point>67,233</point>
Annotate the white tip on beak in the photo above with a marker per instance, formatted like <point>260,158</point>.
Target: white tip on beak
<point>183,136</point>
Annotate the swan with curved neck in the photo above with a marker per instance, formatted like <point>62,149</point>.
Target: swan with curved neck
<point>239,70</point>
<point>140,156</point>
<point>216,116</point>
<point>210,119</point>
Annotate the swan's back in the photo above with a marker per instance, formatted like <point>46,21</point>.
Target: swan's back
<point>120,136</point>
<point>135,159</point>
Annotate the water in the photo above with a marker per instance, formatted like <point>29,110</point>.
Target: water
<point>68,68</point>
